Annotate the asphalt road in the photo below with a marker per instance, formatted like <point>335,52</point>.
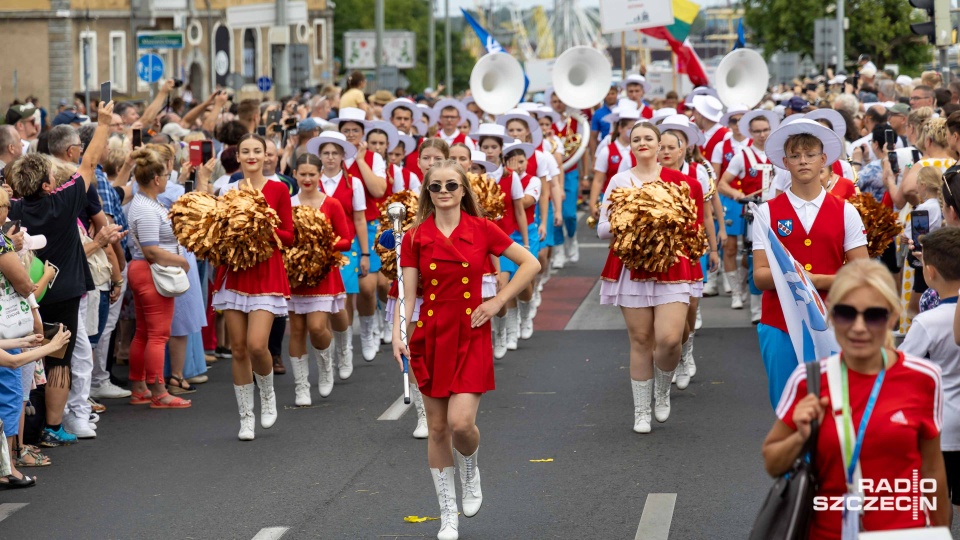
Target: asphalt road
<point>334,471</point>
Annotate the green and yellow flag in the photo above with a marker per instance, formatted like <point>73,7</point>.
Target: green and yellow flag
<point>684,12</point>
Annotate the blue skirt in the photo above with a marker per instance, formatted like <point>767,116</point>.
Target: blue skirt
<point>732,216</point>
<point>506,265</point>
<point>195,363</point>
<point>372,240</point>
<point>350,272</point>
<point>11,398</point>
<point>189,315</point>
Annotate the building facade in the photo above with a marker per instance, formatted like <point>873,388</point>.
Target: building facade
<point>60,48</point>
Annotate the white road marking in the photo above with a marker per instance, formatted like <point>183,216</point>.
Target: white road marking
<point>657,516</point>
<point>271,533</point>
<point>594,245</point>
<point>7,509</point>
<point>395,410</point>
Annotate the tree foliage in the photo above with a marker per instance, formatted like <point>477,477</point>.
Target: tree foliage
<point>411,15</point>
<point>880,28</point>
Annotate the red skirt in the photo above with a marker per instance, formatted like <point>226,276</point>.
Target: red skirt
<point>267,278</point>
<point>331,285</point>
<point>682,271</point>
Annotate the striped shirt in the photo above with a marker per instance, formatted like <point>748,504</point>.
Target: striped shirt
<point>150,224</point>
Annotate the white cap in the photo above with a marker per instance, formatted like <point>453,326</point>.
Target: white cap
<point>479,158</point>
<point>491,130</point>
<point>709,106</point>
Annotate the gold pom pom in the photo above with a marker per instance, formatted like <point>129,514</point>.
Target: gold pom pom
<point>196,224</point>
<point>879,222</point>
<point>249,228</point>
<point>654,225</point>
<point>312,255</point>
<point>388,257</point>
<point>489,195</point>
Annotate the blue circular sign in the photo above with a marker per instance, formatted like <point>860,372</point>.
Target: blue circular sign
<point>150,68</point>
<point>264,84</point>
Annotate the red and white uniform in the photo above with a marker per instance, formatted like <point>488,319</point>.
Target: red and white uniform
<point>531,186</point>
<point>379,167</point>
<point>412,161</point>
<point>714,137</point>
<point>457,138</point>
<point>350,193</point>
<point>747,171</point>
<point>612,159</point>
<point>567,127</point>
<point>265,285</point>
<point>844,188</point>
<point>329,295</point>
<point>623,287</point>
<point>512,190</point>
<point>724,153</point>
<point>646,111</point>
<point>908,408</point>
<point>401,179</point>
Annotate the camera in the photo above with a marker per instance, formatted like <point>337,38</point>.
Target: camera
<point>177,83</point>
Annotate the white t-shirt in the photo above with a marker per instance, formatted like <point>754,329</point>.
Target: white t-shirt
<point>603,158</point>
<point>516,190</point>
<point>533,188</point>
<point>932,206</point>
<point>736,145</point>
<point>330,187</point>
<point>379,165</point>
<point>449,139</point>
<point>931,336</point>
<point>543,164</point>
<point>398,180</point>
<point>737,167</point>
<point>854,235</point>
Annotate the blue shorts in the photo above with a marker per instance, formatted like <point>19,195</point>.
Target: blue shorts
<point>350,272</point>
<point>571,185</point>
<point>779,359</point>
<point>732,216</point>
<point>372,240</point>
<point>506,265</point>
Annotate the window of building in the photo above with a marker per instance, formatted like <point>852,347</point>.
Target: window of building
<point>320,41</point>
<point>118,61</point>
<point>250,55</point>
<point>88,60</point>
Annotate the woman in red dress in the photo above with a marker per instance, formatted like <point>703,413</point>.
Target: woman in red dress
<point>251,298</point>
<point>654,305</point>
<point>314,309</point>
<point>450,348</point>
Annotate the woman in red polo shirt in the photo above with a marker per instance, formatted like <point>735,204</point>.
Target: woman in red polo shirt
<point>889,407</point>
<point>450,349</point>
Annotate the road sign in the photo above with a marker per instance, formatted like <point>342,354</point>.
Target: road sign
<point>150,68</point>
<point>620,16</point>
<point>159,40</point>
<point>264,84</point>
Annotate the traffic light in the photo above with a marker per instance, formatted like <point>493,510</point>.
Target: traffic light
<point>937,30</point>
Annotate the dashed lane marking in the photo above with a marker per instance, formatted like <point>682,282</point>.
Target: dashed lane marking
<point>271,533</point>
<point>395,410</point>
<point>7,509</point>
<point>657,516</point>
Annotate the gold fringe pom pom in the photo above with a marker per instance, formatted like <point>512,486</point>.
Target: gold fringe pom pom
<point>196,224</point>
<point>653,226</point>
<point>388,257</point>
<point>248,229</point>
<point>879,222</point>
<point>489,195</point>
<point>312,256</point>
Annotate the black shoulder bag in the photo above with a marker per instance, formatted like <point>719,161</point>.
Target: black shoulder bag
<point>786,512</point>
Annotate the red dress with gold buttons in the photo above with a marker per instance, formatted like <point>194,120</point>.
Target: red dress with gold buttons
<point>447,356</point>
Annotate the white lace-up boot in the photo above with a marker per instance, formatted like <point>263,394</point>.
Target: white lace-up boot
<point>301,377</point>
<point>512,324</point>
<point>699,322</point>
<point>743,277</point>
<point>572,247</point>
<point>369,342</point>
<point>325,367</point>
<point>422,431</point>
<point>756,307</point>
<point>244,393</point>
<point>710,288</point>
<point>341,341</point>
<point>687,357</point>
<point>682,377</point>
<point>661,390</point>
<point>445,485</point>
<point>498,329</point>
<point>388,331</point>
<point>736,294</point>
<point>268,400</point>
<point>642,394</point>
<point>469,482</point>
<point>526,319</point>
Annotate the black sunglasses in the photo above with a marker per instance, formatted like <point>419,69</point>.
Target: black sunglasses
<point>846,315</point>
<point>451,186</point>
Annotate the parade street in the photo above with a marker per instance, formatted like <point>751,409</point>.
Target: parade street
<point>559,457</point>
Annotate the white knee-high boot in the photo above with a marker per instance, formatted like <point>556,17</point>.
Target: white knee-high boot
<point>268,400</point>
<point>301,377</point>
<point>642,394</point>
<point>244,394</point>
<point>445,485</point>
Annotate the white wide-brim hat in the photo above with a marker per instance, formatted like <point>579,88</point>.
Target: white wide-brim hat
<point>750,116</point>
<point>428,114</point>
<point>401,103</point>
<point>548,111</point>
<point>734,110</point>
<point>471,119</point>
<point>335,137</point>
<point>479,158</point>
<point>388,128</point>
<point>680,122</point>
<point>491,130</point>
<point>409,142</point>
<point>703,91</point>
<point>532,125</point>
<point>832,145</point>
<point>662,113</point>
<point>421,127</point>
<point>636,79</point>
<point>836,120</point>
<point>350,114</point>
<point>710,107</point>
<point>518,145</point>
<point>449,102</point>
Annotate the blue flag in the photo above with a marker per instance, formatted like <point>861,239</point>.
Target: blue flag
<point>489,43</point>
<point>741,39</point>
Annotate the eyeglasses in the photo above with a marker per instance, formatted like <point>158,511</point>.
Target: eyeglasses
<point>449,116</point>
<point>918,98</point>
<point>451,186</point>
<point>330,155</point>
<point>875,317</point>
<point>760,131</point>
<point>809,157</point>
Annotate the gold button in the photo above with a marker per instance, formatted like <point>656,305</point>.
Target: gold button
<point>433,282</point>
<point>465,280</point>
<point>466,295</point>
<point>419,324</point>
<point>807,242</point>
<point>808,267</point>
<point>433,266</point>
<point>429,313</point>
<point>466,265</point>
<point>353,253</point>
<point>433,297</point>
<point>469,311</point>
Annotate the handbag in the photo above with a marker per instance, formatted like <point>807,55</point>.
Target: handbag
<point>98,263</point>
<point>16,317</point>
<point>788,508</point>
<point>170,281</point>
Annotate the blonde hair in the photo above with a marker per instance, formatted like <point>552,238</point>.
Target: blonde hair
<point>468,203</point>
<point>935,131</point>
<point>931,179</point>
<point>867,273</point>
<point>918,117</point>
<point>63,170</point>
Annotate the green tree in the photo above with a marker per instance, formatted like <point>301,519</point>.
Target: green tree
<point>412,15</point>
<point>880,28</point>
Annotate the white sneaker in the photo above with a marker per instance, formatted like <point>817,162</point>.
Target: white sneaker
<point>94,418</point>
<point>512,323</point>
<point>369,342</point>
<point>325,367</point>
<point>558,258</point>
<point>108,390</point>
<point>699,324</point>
<point>498,329</point>
<point>78,427</point>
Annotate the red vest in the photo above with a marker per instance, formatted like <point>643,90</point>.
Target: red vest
<point>508,223</point>
<point>569,127</point>
<point>728,155</point>
<point>717,138</point>
<point>524,182</point>
<point>837,168</point>
<point>404,173</point>
<point>613,163</point>
<point>373,209</point>
<point>532,164</point>
<point>692,170</point>
<point>459,139</point>
<point>752,179</point>
<point>820,251</point>
<point>645,111</point>
<point>412,161</point>
<point>344,194</point>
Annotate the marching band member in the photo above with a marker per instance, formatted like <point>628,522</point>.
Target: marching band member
<point>820,231</point>
<point>450,113</point>
<point>636,86</point>
<point>468,124</point>
<point>564,210</point>
<point>403,113</point>
<point>492,138</point>
<point>601,125</point>
<point>251,298</point>
<point>314,310</point>
<point>399,177</point>
<point>552,146</point>
<point>654,306</point>
<point>614,157</point>
<point>707,110</point>
<point>515,156</point>
<point>748,175</point>
<point>734,142</point>
<point>678,134</point>
<point>450,349</point>
<point>370,169</point>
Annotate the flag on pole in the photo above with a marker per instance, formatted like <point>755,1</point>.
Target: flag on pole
<point>688,63</point>
<point>803,309</point>
<point>741,38</point>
